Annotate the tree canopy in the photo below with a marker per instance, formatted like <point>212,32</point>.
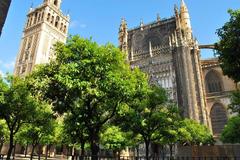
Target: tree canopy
<point>234,106</point>
<point>17,106</point>
<point>93,79</point>
<point>228,48</point>
<point>231,131</point>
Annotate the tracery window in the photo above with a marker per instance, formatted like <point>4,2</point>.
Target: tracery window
<point>219,118</point>
<point>213,82</point>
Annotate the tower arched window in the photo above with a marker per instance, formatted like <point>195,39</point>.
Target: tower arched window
<point>57,21</point>
<point>61,27</point>
<point>65,29</point>
<point>39,17</point>
<point>35,18</point>
<point>55,2</point>
<point>213,82</point>
<point>219,118</point>
<point>52,20</point>
<point>48,17</point>
<point>42,18</point>
<point>30,22</point>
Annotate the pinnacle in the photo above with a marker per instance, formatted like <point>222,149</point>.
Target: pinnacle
<point>183,3</point>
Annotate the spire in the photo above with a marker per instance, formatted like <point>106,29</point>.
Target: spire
<point>123,35</point>
<point>185,20</point>
<point>178,22</point>
<point>183,3</point>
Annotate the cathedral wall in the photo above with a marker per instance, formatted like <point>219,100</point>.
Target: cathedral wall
<point>148,49</point>
<point>218,88</point>
<point>228,84</point>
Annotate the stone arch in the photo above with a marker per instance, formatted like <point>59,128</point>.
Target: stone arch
<point>48,17</point>
<point>55,2</point>
<point>52,20</point>
<point>213,82</point>
<point>35,18</point>
<point>57,21</point>
<point>218,115</point>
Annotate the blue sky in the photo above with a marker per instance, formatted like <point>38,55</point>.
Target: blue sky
<point>100,20</point>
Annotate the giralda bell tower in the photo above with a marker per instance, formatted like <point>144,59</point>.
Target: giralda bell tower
<point>45,25</point>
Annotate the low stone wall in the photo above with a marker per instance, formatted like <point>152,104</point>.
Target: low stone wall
<point>209,151</point>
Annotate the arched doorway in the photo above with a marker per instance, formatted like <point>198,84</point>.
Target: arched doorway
<point>219,118</point>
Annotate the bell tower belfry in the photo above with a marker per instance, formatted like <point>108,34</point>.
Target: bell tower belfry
<point>45,25</point>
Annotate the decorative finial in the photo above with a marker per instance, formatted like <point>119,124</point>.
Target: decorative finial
<point>123,21</point>
<point>182,3</point>
<point>158,17</point>
<point>31,7</point>
<point>176,9</point>
<point>141,24</point>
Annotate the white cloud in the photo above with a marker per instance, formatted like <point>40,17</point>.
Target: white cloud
<point>76,24</point>
<point>73,24</point>
<point>83,25</point>
<point>9,65</point>
<point>6,67</point>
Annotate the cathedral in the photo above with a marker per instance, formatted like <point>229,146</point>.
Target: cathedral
<point>164,49</point>
<point>167,51</point>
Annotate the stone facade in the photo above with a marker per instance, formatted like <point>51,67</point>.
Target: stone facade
<point>166,50</point>
<point>45,25</point>
<point>4,6</point>
<point>217,87</point>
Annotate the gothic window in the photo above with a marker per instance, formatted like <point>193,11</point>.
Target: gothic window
<point>48,17</point>
<point>219,118</point>
<point>30,22</point>
<point>55,2</point>
<point>213,82</point>
<point>42,16</point>
<point>35,18</point>
<point>39,17</point>
<point>52,19</point>
<point>56,21</point>
<point>26,55</point>
<point>23,69</point>
<point>65,29</point>
<point>61,28</point>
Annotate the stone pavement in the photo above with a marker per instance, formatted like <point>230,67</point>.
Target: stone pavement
<point>22,157</point>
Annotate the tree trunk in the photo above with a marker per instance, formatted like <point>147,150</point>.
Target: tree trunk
<point>33,148</point>
<point>73,153</point>
<point>171,151</point>
<point>46,152</point>
<point>94,139</point>
<point>1,146</point>
<point>137,152</point>
<point>94,150</point>
<point>62,151</point>
<point>11,145</point>
<point>14,149</point>
<point>82,151</point>
<point>170,147</point>
<point>26,151</point>
<point>147,149</point>
<point>39,152</point>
